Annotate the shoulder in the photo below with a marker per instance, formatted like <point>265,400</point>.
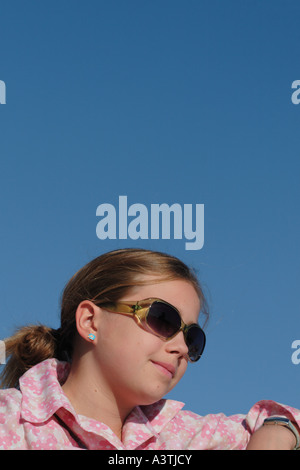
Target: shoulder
<point>212,431</point>
<point>10,406</point>
<point>10,401</point>
<point>11,432</point>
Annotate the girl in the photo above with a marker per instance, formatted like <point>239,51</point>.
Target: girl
<point>129,327</point>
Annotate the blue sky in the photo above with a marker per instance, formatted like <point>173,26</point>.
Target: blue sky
<point>164,102</point>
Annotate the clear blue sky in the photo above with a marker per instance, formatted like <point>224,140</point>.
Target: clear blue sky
<point>164,102</point>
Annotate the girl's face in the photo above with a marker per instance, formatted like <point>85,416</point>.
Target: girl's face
<point>135,365</point>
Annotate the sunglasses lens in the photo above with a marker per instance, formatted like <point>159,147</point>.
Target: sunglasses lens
<point>163,319</point>
<point>195,340</point>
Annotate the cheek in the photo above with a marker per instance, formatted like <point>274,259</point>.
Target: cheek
<point>122,340</point>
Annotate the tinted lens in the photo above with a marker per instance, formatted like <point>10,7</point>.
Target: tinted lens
<point>195,341</point>
<point>163,319</point>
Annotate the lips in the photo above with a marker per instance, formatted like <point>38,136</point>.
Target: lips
<point>164,367</point>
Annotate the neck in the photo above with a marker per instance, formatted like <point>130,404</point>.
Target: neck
<point>91,397</point>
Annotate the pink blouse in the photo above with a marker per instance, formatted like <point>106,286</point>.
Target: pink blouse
<point>39,416</point>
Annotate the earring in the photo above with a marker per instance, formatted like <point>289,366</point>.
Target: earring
<point>92,336</point>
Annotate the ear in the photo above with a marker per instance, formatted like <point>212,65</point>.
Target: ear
<point>87,314</point>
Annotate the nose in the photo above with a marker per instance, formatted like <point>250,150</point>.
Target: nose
<point>177,345</point>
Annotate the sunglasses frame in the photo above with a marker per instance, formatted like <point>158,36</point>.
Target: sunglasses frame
<point>139,309</point>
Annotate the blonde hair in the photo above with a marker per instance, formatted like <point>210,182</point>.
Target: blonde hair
<point>105,278</point>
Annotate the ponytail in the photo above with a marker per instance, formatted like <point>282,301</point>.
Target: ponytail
<point>26,348</point>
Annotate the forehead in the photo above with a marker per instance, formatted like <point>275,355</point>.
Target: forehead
<point>179,293</point>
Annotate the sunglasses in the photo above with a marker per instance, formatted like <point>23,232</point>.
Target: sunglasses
<point>163,320</point>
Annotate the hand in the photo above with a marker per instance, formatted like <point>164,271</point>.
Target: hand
<point>272,437</point>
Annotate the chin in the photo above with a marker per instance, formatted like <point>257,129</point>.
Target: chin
<point>152,396</point>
